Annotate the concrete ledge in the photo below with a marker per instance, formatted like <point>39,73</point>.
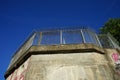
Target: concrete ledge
<point>52,49</point>
<point>66,48</point>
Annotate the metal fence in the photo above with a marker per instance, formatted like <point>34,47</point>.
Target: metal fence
<point>69,36</point>
<point>59,37</point>
<point>108,41</point>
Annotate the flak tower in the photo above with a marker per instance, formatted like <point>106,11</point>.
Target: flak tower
<point>66,54</point>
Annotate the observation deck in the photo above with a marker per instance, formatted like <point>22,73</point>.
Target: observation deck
<point>63,40</point>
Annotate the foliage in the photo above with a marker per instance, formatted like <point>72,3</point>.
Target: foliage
<point>112,26</point>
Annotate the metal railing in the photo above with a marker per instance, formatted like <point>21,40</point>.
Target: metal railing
<point>108,41</point>
<point>59,37</point>
<point>65,36</point>
<point>68,36</point>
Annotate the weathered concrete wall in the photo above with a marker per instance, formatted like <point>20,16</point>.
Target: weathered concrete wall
<point>65,62</point>
<point>19,73</point>
<point>22,54</point>
<point>110,54</point>
<point>69,66</point>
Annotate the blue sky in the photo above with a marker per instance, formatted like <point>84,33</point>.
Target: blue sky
<point>18,18</point>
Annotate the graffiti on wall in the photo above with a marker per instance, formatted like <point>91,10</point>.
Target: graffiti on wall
<point>116,59</point>
<point>20,77</point>
<point>19,74</point>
